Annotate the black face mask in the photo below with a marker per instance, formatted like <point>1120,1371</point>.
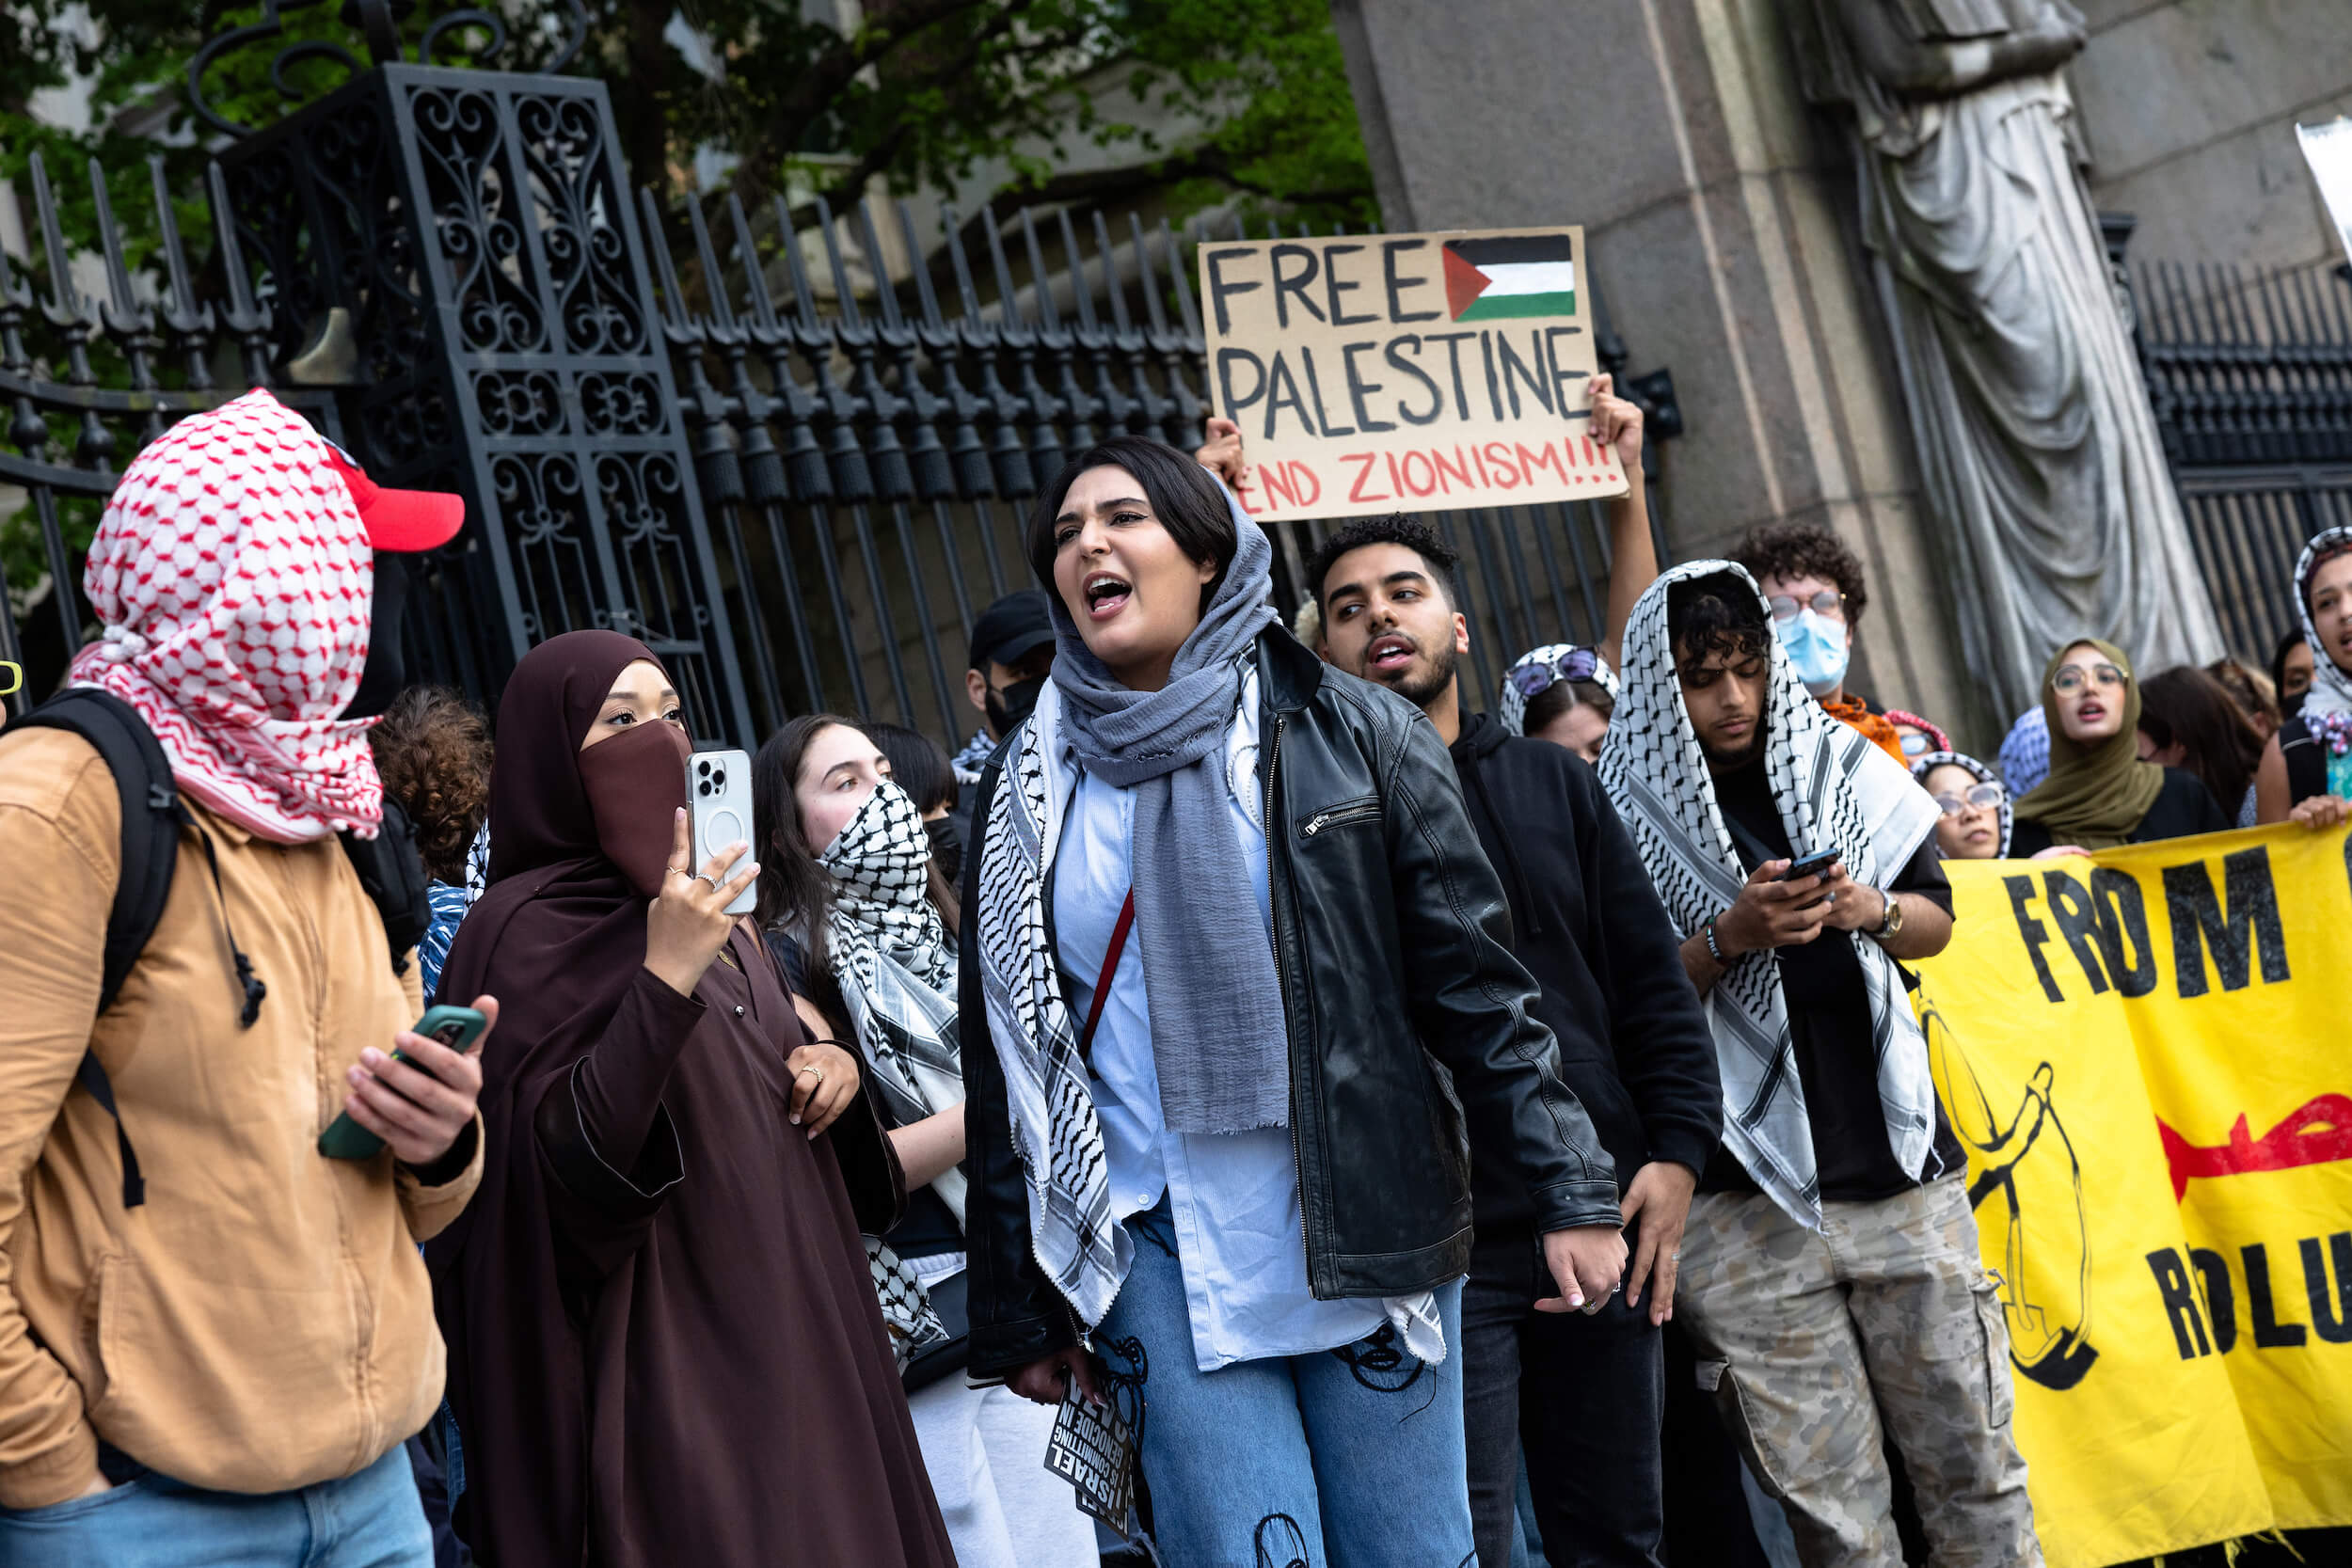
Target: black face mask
<point>946,848</point>
<point>386,670</point>
<point>1008,707</point>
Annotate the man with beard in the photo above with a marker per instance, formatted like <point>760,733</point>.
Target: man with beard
<point>1584,1394</point>
<point>1830,1271</point>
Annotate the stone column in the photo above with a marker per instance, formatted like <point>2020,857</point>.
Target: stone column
<point>1716,212</point>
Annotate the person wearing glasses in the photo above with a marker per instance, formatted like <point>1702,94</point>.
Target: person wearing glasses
<point>1977,820</point>
<point>2100,794</point>
<point>1811,583</point>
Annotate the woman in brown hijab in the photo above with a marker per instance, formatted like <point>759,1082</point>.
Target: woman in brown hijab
<point>664,1347</point>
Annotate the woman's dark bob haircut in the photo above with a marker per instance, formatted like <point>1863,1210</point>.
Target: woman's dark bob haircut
<point>1186,497</point>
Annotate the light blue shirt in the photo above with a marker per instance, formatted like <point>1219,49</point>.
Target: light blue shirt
<point>1240,1236</point>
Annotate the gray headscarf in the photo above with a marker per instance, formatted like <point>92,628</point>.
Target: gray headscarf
<point>1217,1028</point>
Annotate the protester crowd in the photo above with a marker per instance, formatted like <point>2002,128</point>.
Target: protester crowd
<point>1435,1137</point>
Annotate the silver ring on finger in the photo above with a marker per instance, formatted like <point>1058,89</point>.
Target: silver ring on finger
<point>707,876</point>
<point>819,1071</point>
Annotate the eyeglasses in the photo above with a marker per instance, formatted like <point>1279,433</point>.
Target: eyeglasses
<point>1827,602</point>
<point>1577,664</point>
<point>1916,744</point>
<point>2071,679</point>
<point>1983,797</point>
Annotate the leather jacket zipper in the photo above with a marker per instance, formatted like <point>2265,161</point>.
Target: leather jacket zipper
<point>1282,985</point>
<point>1337,814</point>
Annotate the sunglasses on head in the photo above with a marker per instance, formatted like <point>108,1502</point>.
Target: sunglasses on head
<point>1983,797</point>
<point>1577,664</point>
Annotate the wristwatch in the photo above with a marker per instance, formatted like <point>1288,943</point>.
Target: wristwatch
<point>1892,925</point>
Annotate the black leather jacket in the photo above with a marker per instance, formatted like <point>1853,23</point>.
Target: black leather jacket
<point>1411,1034</point>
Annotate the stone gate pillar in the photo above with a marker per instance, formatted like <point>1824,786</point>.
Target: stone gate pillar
<point>1717,229</point>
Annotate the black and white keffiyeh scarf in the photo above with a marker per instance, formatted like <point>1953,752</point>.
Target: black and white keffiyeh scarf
<point>1834,788</point>
<point>1055,1129</point>
<point>967,763</point>
<point>897,972</point>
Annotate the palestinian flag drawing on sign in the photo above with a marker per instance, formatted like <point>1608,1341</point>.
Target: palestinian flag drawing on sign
<point>1523,274</point>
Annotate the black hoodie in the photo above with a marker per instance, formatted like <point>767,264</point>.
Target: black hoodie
<point>1585,921</point>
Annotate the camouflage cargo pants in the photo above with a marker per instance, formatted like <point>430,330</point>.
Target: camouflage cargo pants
<point>1807,1340</point>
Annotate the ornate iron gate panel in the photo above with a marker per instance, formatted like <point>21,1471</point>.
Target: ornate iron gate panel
<point>2250,377</point>
<point>475,226</point>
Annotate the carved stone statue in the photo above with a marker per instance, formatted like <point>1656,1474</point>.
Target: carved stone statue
<point>2039,456</point>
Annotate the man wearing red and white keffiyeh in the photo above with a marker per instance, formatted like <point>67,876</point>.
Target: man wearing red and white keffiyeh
<point>269,1325</point>
<point>233,577</point>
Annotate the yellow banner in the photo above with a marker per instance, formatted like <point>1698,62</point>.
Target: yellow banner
<point>2145,1054</point>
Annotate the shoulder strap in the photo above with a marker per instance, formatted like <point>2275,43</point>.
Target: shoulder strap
<point>150,829</point>
<point>392,872</point>
<point>2306,760</point>
<point>150,849</point>
<point>1110,970</point>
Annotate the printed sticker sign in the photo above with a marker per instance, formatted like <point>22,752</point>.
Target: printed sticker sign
<point>1378,373</point>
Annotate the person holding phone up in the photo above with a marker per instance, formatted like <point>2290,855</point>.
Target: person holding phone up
<point>211,1334</point>
<point>665,1346</point>
<point>1830,1278</point>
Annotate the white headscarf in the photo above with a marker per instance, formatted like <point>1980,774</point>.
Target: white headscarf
<point>2332,687</point>
<point>1833,789</point>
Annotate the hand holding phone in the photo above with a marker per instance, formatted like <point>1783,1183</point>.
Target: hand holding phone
<point>719,801</point>
<point>1779,906</point>
<point>419,1096</point>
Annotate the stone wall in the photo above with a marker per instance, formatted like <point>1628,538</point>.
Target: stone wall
<point>1719,233</point>
<point>2190,108</point>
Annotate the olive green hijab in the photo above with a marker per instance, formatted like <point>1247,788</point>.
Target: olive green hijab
<point>2098,792</point>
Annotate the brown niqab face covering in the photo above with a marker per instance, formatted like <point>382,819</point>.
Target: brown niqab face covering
<point>635,783</point>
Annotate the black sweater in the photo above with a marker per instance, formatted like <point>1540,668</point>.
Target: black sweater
<point>1585,921</point>
<point>2184,807</point>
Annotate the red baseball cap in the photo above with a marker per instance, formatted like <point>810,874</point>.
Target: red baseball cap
<point>404,521</point>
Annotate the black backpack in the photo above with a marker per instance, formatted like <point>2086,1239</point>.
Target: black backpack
<point>153,817</point>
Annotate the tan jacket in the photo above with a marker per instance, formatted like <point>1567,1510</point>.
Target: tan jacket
<point>262,1321</point>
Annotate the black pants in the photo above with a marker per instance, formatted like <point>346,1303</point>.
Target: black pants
<point>1582,1395</point>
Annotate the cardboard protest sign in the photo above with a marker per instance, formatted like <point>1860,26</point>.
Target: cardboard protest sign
<point>1380,373</point>
<point>2142,1054</point>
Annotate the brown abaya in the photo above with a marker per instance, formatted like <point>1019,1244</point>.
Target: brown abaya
<point>664,1347</point>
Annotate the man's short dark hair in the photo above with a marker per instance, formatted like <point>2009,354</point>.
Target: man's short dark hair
<point>1805,550</point>
<point>1395,529</point>
<point>1710,615</point>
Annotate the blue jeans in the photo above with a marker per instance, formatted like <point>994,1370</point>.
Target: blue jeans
<point>369,1520</point>
<point>1351,1458</point>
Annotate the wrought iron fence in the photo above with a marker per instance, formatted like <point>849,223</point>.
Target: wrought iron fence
<point>794,457</point>
<point>872,416</point>
<point>90,378</point>
<point>2250,372</point>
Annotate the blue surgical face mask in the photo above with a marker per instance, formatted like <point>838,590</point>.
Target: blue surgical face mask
<point>1817,650</point>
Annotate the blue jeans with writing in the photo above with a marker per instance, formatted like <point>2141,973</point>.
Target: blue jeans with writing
<point>1350,1458</point>
<point>368,1520</point>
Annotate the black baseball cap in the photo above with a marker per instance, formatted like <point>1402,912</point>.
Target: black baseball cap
<point>1012,629</point>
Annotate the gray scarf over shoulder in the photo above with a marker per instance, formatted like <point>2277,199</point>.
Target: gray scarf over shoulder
<point>1218,1030</point>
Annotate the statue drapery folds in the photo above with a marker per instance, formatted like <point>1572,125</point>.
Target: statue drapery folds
<point>2038,454</point>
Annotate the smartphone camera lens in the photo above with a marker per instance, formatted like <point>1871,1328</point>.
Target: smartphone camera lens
<point>719,780</point>
<point>705,786</point>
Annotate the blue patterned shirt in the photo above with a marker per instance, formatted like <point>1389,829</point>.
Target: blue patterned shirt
<point>449,906</point>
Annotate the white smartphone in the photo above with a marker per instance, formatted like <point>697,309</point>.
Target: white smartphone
<point>719,806</point>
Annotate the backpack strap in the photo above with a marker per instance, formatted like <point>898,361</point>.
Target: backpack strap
<point>152,814</point>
